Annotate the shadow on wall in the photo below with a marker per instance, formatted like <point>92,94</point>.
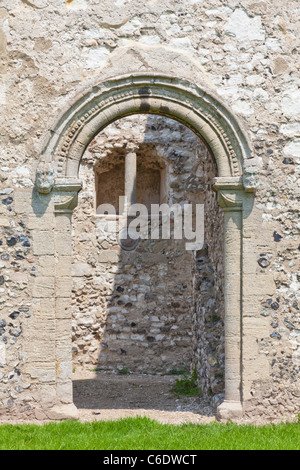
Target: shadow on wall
<point>157,308</point>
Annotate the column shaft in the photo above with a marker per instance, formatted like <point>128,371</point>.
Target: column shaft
<point>130,177</point>
<point>232,255</point>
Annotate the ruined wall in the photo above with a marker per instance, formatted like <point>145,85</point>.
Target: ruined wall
<point>208,286</point>
<point>135,310</point>
<point>247,54</point>
<point>17,272</point>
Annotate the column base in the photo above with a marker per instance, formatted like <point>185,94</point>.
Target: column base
<point>229,410</point>
<point>61,412</point>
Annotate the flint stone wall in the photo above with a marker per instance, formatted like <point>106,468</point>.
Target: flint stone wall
<point>247,54</point>
<point>136,310</point>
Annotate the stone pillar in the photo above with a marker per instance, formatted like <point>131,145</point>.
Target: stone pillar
<point>65,200</point>
<point>231,201</point>
<point>130,177</point>
<point>232,293</point>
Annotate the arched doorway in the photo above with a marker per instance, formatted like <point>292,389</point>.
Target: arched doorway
<point>235,183</point>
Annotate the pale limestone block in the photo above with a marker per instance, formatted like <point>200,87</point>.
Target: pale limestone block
<point>64,348</point>
<point>43,372</point>
<point>109,256</point>
<point>63,329</point>
<point>250,264</point>
<point>44,308</point>
<point>42,328</point>
<point>19,277</point>
<point>39,349</point>
<point>23,201</point>
<point>63,266</point>
<point>251,304</point>
<point>290,102</point>
<point>81,269</point>
<point>43,243</point>
<point>63,308</point>
<point>45,222</point>
<point>64,391</point>
<point>243,107</point>
<point>245,28</point>
<point>4,222</point>
<point>77,4</point>
<point>63,286</point>
<point>64,411</point>
<point>46,266</point>
<point>256,367</point>
<point>63,244</point>
<point>293,148</point>
<point>63,222</point>
<point>45,395</point>
<point>291,129</point>
<point>97,57</point>
<point>2,354</point>
<point>44,287</point>
<point>64,371</point>
<point>256,327</point>
<point>3,92</point>
<point>39,341</point>
<point>262,284</point>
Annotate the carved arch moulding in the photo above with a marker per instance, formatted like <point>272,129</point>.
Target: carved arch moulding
<point>179,99</point>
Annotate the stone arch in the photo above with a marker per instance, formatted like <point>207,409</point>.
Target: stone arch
<point>202,112</point>
<point>154,94</point>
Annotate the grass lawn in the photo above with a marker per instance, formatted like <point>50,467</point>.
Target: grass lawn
<point>145,434</point>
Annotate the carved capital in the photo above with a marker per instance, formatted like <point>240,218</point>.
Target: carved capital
<point>230,193</point>
<point>66,195</point>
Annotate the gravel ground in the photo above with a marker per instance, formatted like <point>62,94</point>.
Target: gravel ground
<point>109,396</point>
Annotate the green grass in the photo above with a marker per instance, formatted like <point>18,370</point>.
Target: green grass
<point>145,434</point>
<point>187,385</point>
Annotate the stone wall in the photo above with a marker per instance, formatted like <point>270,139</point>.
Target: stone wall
<point>135,310</point>
<point>246,54</point>
<point>17,272</point>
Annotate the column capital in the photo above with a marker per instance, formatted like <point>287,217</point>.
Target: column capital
<point>132,147</point>
<point>67,184</point>
<point>66,194</point>
<point>231,193</point>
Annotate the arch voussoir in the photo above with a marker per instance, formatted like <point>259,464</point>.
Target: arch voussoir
<point>134,94</point>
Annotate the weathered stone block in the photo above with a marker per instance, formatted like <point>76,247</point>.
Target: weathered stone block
<point>109,256</point>
<point>46,265</point>
<point>63,223</point>
<point>43,222</point>
<point>44,287</point>
<point>63,244</point>
<point>63,286</point>
<point>63,266</point>
<point>44,308</point>
<point>81,269</point>
<point>63,308</point>
<point>43,243</point>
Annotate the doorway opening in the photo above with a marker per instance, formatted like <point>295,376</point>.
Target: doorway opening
<point>156,310</point>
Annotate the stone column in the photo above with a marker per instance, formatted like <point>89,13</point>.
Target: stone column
<point>233,305</point>
<point>65,200</point>
<point>230,200</point>
<point>130,177</point>
<point>130,196</point>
